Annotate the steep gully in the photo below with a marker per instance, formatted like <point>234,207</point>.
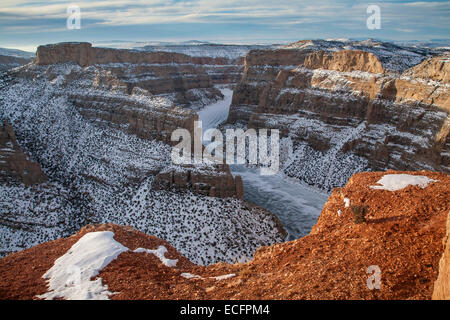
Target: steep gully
<point>297,206</point>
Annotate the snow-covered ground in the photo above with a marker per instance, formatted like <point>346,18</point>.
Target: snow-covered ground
<point>73,275</point>
<point>191,48</point>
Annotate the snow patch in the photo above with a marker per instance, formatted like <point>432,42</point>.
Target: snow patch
<point>218,278</point>
<point>70,277</point>
<point>224,277</point>
<point>190,276</point>
<point>395,182</point>
<point>347,202</point>
<point>160,252</point>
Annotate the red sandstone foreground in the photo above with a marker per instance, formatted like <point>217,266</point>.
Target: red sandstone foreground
<point>406,234</point>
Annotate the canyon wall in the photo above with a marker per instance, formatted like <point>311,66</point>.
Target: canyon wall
<point>100,128</point>
<point>134,115</point>
<point>134,80</point>
<point>214,181</point>
<point>188,79</point>
<point>347,108</point>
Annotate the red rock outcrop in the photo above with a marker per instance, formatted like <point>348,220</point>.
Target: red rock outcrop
<point>442,284</point>
<point>85,55</point>
<point>344,61</point>
<point>401,238</point>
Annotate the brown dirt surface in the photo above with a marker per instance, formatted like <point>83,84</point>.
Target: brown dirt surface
<point>402,235</point>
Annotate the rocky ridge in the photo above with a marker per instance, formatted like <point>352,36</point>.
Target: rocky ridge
<point>402,236</point>
<point>187,80</point>
<point>214,183</point>
<point>10,62</point>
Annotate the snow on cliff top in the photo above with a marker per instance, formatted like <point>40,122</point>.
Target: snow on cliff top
<point>191,48</point>
<point>395,182</point>
<point>70,277</point>
<point>394,57</point>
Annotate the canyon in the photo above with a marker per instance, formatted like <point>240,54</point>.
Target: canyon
<point>85,137</point>
<point>348,107</point>
<point>104,150</point>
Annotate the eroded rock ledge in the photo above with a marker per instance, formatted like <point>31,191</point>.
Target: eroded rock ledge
<point>214,181</point>
<point>189,80</point>
<point>106,94</point>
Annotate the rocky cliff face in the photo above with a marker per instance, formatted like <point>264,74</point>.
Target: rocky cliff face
<point>394,254</point>
<point>187,80</point>
<point>214,181</point>
<point>349,107</point>
<point>100,96</point>
<point>133,80</point>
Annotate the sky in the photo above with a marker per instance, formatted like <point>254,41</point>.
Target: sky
<point>27,24</point>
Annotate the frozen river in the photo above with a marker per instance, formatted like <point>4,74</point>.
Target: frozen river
<point>297,206</point>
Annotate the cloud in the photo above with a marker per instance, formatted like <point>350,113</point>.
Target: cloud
<point>168,11</point>
<point>404,30</point>
<point>322,18</point>
<point>123,12</point>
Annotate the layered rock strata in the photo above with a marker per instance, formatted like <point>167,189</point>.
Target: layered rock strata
<point>101,146</point>
<point>348,110</point>
<point>188,80</point>
<point>213,182</point>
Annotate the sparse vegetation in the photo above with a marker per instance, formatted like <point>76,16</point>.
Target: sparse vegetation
<point>360,212</point>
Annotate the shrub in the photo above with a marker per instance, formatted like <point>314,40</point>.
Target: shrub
<point>360,212</point>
